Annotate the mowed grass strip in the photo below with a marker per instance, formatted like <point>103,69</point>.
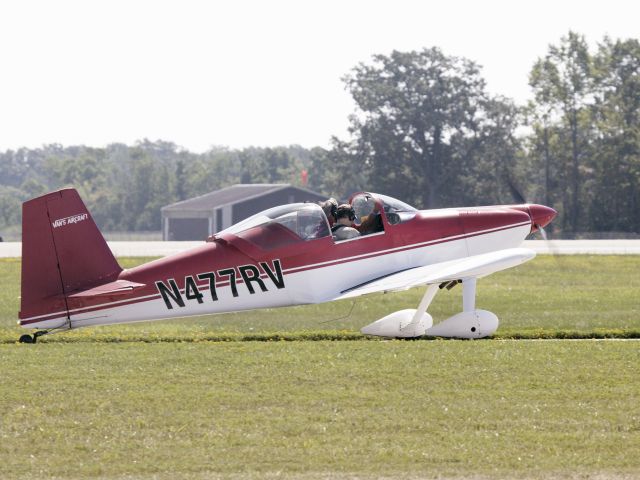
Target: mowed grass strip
<point>398,409</point>
<point>548,297</point>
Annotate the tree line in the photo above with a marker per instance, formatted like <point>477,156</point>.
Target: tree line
<point>124,187</point>
<point>425,130</point>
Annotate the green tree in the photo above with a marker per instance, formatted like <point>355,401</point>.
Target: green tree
<point>11,200</point>
<point>562,83</point>
<point>616,160</point>
<point>490,157</point>
<point>180,181</point>
<point>338,172</point>
<point>33,188</point>
<point>421,116</point>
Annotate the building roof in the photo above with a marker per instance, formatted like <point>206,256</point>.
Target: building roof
<point>229,196</point>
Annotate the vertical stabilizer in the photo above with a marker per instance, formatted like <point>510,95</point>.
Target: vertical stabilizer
<point>62,251</point>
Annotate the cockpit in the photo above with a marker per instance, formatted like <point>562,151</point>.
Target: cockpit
<point>287,224</point>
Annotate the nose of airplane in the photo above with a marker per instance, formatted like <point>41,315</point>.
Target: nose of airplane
<point>541,216</point>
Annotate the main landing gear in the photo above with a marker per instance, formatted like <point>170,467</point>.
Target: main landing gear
<point>410,323</point>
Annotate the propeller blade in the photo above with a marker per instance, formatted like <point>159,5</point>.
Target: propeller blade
<point>515,191</point>
<point>543,233</point>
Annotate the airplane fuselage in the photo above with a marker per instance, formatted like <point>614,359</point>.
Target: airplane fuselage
<point>235,272</point>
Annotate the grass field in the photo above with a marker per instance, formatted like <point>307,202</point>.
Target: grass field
<point>501,409</point>
<point>76,407</point>
<point>577,295</point>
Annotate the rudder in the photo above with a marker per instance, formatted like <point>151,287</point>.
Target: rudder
<point>62,251</point>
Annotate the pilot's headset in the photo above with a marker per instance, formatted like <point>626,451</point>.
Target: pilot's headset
<point>330,207</point>
<point>349,210</point>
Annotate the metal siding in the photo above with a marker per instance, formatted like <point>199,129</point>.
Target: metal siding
<point>186,213</point>
<point>188,228</point>
<point>218,220</point>
<point>165,228</point>
<point>227,212</point>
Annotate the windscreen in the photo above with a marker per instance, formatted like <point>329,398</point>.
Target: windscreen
<point>394,205</point>
<point>395,210</point>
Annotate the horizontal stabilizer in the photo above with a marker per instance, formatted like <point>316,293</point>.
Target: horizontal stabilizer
<point>119,287</point>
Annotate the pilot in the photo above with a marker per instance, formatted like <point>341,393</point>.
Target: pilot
<point>345,216</point>
<point>372,223</point>
<point>329,208</point>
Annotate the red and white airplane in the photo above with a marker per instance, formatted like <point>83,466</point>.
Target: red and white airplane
<point>280,257</point>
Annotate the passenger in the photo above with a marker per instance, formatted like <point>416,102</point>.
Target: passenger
<point>371,224</point>
<point>343,230</point>
<point>329,208</point>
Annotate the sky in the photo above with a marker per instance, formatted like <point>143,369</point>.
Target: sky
<point>241,73</point>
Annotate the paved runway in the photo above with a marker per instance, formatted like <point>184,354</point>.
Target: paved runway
<point>592,247</point>
<point>556,247</point>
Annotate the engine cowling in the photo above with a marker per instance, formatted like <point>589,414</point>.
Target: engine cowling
<point>473,324</point>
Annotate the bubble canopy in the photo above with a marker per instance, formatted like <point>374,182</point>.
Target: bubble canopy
<point>306,220</point>
<point>285,224</point>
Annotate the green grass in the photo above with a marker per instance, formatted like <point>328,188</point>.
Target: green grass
<point>547,297</point>
<point>196,402</point>
<point>501,409</point>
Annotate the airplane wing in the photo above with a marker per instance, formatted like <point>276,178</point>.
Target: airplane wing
<point>474,266</point>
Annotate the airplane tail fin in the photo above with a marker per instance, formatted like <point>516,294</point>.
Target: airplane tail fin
<point>62,251</point>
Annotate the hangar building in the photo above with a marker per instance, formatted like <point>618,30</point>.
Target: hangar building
<point>199,217</point>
